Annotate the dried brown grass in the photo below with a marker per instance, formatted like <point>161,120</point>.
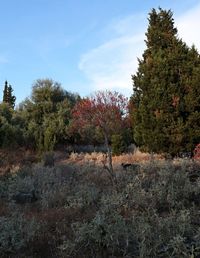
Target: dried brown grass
<point>12,159</point>
<point>98,158</point>
<point>135,157</point>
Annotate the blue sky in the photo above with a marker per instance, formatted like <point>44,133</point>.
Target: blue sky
<point>86,45</point>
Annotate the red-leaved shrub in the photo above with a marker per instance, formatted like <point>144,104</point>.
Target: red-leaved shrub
<point>197,152</point>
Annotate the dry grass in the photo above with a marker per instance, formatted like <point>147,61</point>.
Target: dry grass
<point>98,158</point>
<point>135,157</point>
<point>12,160</point>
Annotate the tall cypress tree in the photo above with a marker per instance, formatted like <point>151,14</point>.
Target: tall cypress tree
<point>8,96</point>
<point>12,98</point>
<point>161,84</point>
<point>192,101</point>
<point>5,92</point>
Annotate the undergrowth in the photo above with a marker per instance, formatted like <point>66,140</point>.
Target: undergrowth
<point>77,212</point>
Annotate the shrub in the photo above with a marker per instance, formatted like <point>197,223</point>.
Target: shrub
<point>18,184</point>
<point>16,232</point>
<point>48,185</point>
<point>55,197</point>
<point>85,216</point>
<point>4,185</point>
<point>107,234</point>
<point>171,237</point>
<point>197,152</point>
<point>52,184</point>
<point>83,196</point>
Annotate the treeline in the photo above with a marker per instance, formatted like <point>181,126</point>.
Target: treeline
<point>47,115</point>
<point>39,122</point>
<point>47,120</point>
<point>163,114</point>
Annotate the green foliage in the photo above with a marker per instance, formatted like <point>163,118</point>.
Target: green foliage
<point>15,232</point>
<point>6,112</point>
<point>8,96</point>
<point>118,144</point>
<point>5,92</point>
<point>47,114</point>
<point>166,89</point>
<point>11,132</point>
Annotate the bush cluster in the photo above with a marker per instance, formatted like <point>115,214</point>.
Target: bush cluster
<point>15,232</point>
<point>153,212</point>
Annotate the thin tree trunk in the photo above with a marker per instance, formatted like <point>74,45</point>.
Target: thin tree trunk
<point>110,166</point>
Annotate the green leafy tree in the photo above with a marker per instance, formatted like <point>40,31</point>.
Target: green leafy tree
<point>11,132</point>
<point>162,85</point>
<point>47,113</point>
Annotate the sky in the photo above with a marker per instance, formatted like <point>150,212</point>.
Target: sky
<point>86,45</point>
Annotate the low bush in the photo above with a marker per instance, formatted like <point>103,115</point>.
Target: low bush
<point>15,232</point>
<point>152,213</point>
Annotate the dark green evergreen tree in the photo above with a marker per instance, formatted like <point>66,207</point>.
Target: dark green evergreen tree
<point>118,144</point>
<point>5,92</point>
<point>192,101</point>
<point>8,96</point>
<point>11,97</point>
<point>161,86</point>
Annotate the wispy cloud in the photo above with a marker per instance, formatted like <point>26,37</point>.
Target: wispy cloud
<point>188,26</point>
<point>110,65</point>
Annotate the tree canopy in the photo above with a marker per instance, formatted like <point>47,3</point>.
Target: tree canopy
<point>104,110</point>
<point>163,101</point>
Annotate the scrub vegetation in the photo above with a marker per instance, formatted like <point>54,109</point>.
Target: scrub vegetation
<point>106,176</point>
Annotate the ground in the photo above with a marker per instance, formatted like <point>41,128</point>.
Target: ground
<point>78,212</point>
